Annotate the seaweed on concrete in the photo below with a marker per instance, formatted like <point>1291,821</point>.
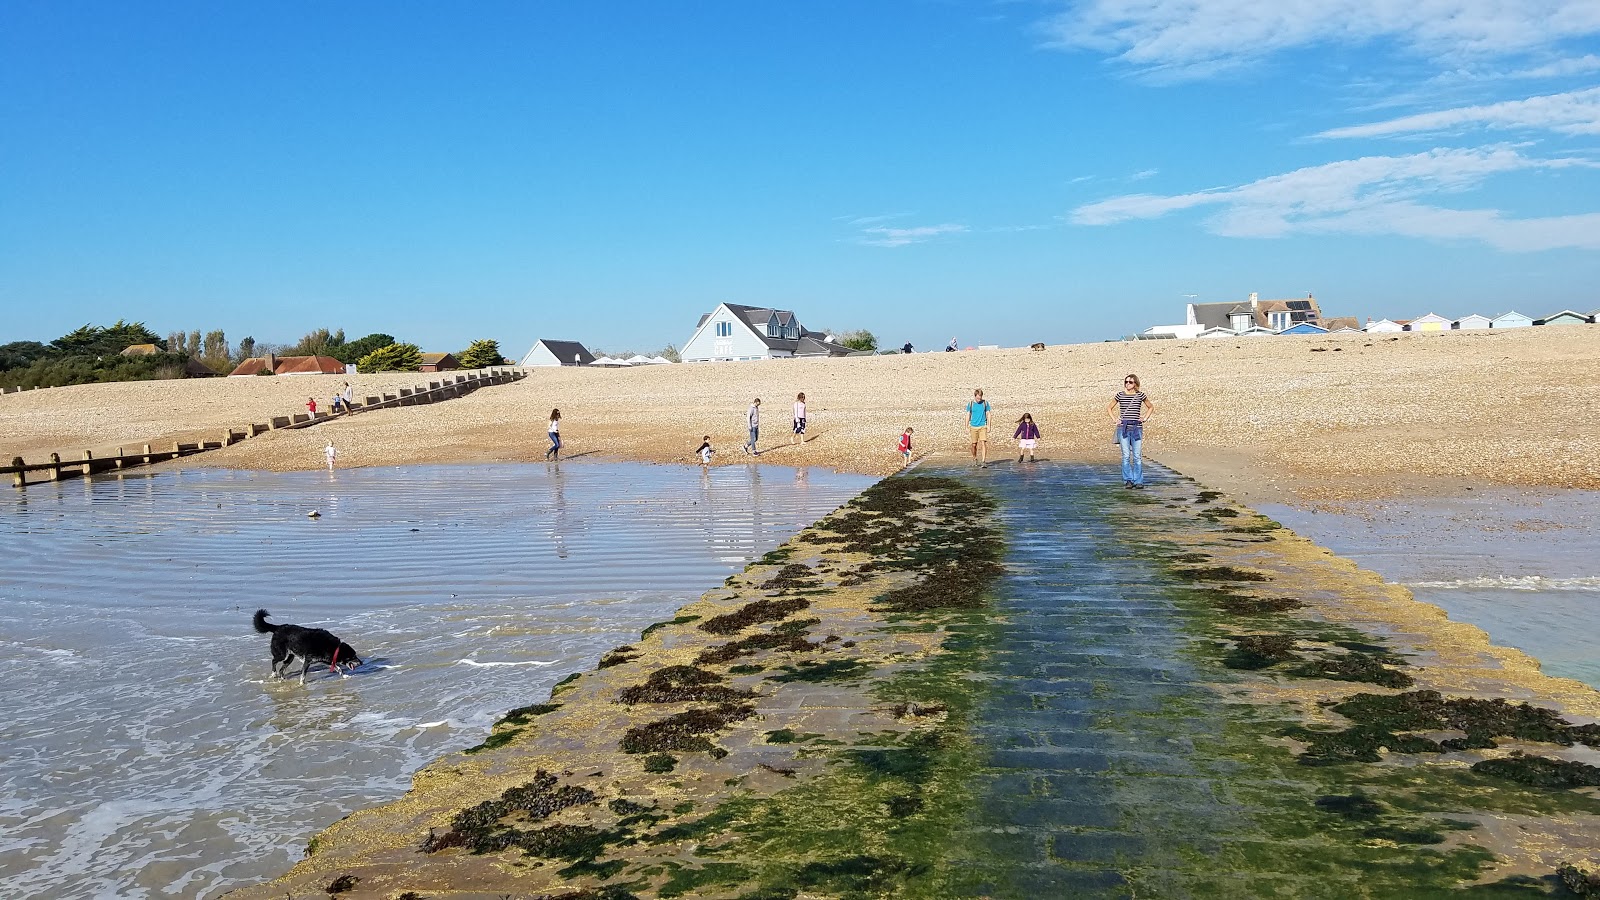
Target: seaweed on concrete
<point>1540,771</point>
<point>685,731</point>
<point>754,613</point>
<point>483,829</point>
<point>680,684</point>
<point>777,641</point>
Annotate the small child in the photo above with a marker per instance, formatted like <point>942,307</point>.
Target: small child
<point>311,406</point>
<point>330,453</point>
<point>705,451</point>
<point>336,404</point>
<point>905,447</point>
<point>1027,435</point>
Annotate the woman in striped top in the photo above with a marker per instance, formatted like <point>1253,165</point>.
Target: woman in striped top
<point>1130,409</point>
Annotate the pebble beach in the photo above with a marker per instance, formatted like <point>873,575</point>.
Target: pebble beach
<point>1289,419</point>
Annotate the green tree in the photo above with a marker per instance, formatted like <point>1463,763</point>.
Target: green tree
<point>393,358</point>
<point>354,350</point>
<point>482,353</point>
<point>859,340</point>
<point>670,352</point>
<point>20,354</point>
<point>100,340</point>
<point>247,349</point>
<point>214,352</point>
<point>321,342</point>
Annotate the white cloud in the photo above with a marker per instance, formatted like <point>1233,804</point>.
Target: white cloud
<point>1373,195</point>
<point>1143,174</point>
<point>1575,112</point>
<point>1561,68</point>
<point>1193,38</point>
<point>899,237</point>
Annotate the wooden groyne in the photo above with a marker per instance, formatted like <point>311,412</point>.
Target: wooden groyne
<point>24,473</point>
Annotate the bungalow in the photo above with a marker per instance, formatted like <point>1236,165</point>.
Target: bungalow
<point>1383,326</point>
<point>1218,332</point>
<point>1512,320</point>
<point>1473,322</point>
<point>438,362</point>
<point>732,331</point>
<point>289,365</point>
<point>1429,322</point>
<point>1565,317</point>
<point>557,353</point>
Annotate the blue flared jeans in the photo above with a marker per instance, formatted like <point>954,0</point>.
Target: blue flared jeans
<point>1130,435</point>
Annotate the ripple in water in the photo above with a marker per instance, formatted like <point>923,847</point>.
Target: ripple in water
<point>150,754</point>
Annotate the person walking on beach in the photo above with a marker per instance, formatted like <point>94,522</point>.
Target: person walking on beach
<point>349,395</point>
<point>1027,435</point>
<point>311,406</point>
<point>555,435</point>
<point>799,418</point>
<point>1130,408</point>
<point>752,419</point>
<point>705,451</point>
<point>330,453</point>
<point>905,448</point>
<point>978,421</point>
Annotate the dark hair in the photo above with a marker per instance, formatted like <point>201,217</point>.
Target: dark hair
<point>555,414</point>
<point>1028,416</point>
<point>800,396</point>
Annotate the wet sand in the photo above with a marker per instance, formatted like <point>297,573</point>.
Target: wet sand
<point>1296,420</point>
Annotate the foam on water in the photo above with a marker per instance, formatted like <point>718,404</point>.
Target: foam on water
<point>1522,565</point>
<point>150,754</point>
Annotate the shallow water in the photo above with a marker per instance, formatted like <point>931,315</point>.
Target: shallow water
<point>1522,565</point>
<point>148,752</point>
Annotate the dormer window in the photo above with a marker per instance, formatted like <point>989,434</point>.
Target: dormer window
<point>1239,321</point>
<point>1278,320</point>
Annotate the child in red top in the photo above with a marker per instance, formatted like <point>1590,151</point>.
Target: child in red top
<point>905,447</point>
<point>311,406</point>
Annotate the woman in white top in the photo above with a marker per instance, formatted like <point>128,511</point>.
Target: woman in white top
<point>800,418</point>
<point>555,435</point>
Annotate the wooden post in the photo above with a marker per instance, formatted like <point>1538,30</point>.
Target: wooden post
<point>120,462</point>
<point>55,467</point>
<point>21,478</point>
<point>88,463</point>
<point>147,454</point>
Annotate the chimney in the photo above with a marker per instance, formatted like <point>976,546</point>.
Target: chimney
<point>1255,299</point>
<point>272,364</point>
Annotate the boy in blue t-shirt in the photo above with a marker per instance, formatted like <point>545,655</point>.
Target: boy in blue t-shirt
<point>978,420</point>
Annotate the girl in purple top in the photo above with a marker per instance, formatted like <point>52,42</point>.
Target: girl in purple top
<point>1027,435</point>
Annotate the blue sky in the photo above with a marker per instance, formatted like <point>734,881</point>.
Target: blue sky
<point>1002,172</point>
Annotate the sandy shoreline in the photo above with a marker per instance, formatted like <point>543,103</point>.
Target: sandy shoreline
<point>1282,420</point>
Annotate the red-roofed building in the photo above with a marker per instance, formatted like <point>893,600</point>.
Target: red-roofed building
<point>289,365</point>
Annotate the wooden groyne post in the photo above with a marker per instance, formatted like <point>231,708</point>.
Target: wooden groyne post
<point>56,469</point>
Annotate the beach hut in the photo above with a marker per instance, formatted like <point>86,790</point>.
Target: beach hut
<point>638,359</point>
<point>438,362</point>
<point>1217,332</point>
<point>1256,331</point>
<point>660,361</point>
<point>607,362</point>
<point>1304,328</point>
<point>1383,326</point>
<point>1472,322</point>
<point>1565,317</point>
<point>1429,322</point>
<point>1512,319</point>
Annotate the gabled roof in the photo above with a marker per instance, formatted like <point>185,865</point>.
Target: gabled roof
<point>253,366</point>
<point>566,351</point>
<point>1338,322</point>
<point>1565,312</point>
<point>756,317</point>
<point>308,365</point>
<point>139,350</point>
<point>813,344</point>
<point>1212,315</point>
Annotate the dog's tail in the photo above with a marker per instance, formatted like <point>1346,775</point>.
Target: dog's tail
<point>261,623</point>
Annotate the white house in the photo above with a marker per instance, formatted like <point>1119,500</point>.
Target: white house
<point>1383,326</point>
<point>732,331</point>
<point>557,353</point>
<point>1429,322</point>
<point>1512,319</point>
<point>1473,322</point>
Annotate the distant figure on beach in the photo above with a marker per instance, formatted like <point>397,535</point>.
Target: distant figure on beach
<point>799,418</point>
<point>555,435</point>
<point>1130,409</point>
<point>978,421</point>
<point>336,404</point>
<point>349,395</point>
<point>905,447</point>
<point>330,453</point>
<point>907,348</point>
<point>705,451</point>
<point>953,346</point>
<point>311,406</point>
<point>752,419</point>
<point>1027,435</point>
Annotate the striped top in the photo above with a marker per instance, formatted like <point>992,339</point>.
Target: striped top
<point>1130,404</point>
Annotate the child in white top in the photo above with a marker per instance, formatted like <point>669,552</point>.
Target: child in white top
<point>705,451</point>
<point>329,452</point>
<point>800,418</point>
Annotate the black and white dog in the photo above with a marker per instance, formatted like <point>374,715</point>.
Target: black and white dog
<point>312,645</point>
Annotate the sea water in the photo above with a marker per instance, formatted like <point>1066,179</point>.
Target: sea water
<point>148,750</point>
<point>1523,565</point>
